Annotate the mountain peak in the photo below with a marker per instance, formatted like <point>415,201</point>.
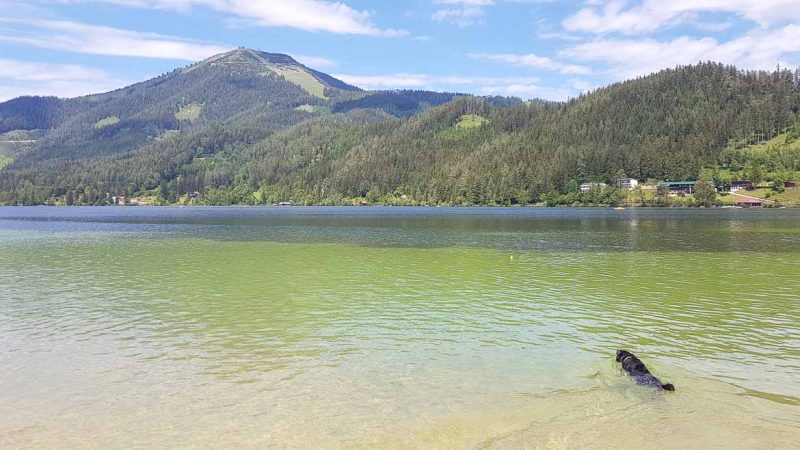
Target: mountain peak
<point>249,60</point>
<point>258,55</point>
<point>246,57</point>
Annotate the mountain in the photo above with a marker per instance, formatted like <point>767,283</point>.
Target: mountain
<point>244,87</point>
<point>253,127</point>
<point>670,125</point>
<point>241,85</point>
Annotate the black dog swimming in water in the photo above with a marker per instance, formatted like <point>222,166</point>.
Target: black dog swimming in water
<point>634,367</point>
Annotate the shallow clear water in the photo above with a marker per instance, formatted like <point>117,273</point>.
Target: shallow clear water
<point>373,327</point>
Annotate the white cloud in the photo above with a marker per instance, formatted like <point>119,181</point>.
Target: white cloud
<point>393,81</point>
<point>556,35</point>
<point>462,17</point>
<point>512,90</point>
<point>308,15</point>
<point>462,13</point>
<point>467,2</point>
<point>568,89</point>
<point>15,70</point>
<point>651,15</point>
<point>63,80</point>
<point>315,62</point>
<point>531,91</point>
<point>628,58</point>
<point>531,60</point>
<point>101,40</point>
<point>711,26</point>
<point>524,87</point>
<point>521,86</point>
<point>423,81</point>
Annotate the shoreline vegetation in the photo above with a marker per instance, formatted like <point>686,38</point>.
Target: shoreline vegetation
<point>714,188</point>
<point>531,206</point>
<point>648,197</point>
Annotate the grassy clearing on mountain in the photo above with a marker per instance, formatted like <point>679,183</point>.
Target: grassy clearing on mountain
<point>301,78</point>
<point>787,141</point>
<point>168,134</point>
<point>107,122</point>
<point>752,161</point>
<point>309,109</point>
<point>15,143</point>
<point>190,112</point>
<point>467,128</point>
<point>21,136</point>
<point>470,121</point>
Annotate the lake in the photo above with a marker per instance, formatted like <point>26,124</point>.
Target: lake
<point>397,328</point>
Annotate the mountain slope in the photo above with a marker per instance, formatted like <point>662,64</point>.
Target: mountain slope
<point>244,133</point>
<point>30,113</point>
<point>669,125</point>
<point>241,85</point>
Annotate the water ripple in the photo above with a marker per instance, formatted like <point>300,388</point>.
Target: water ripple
<point>179,324</point>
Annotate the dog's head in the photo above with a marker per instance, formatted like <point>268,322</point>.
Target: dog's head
<point>621,354</point>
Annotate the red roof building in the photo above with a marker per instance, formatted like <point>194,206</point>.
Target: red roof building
<point>749,202</point>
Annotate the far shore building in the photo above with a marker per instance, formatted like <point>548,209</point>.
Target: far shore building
<point>679,187</point>
<point>749,202</point>
<point>628,183</point>
<point>586,187</point>
<point>740,185</point>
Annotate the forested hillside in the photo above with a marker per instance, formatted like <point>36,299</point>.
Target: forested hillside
<point>245,129</point>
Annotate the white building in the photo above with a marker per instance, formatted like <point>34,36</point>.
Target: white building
<point>586,187</point>
<point>628,183</point>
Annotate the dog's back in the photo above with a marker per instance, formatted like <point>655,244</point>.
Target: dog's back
<point>634,367</point>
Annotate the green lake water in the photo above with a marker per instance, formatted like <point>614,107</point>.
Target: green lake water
<point>397,328</point>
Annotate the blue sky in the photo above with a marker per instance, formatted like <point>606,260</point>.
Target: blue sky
<point>551,49</point>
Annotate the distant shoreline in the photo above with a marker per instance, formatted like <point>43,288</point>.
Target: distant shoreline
<point>543,207</point>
